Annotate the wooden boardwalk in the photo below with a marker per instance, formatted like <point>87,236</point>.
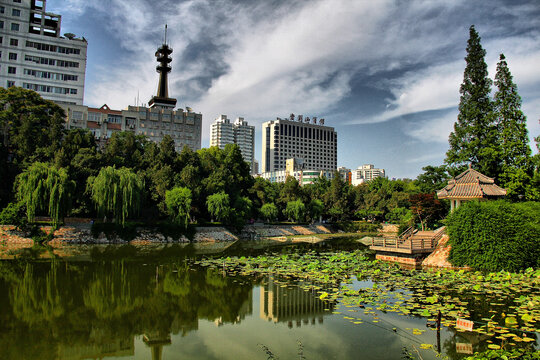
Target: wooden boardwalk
<point>420,242</point>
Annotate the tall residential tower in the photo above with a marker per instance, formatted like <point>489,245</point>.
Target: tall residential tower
<point>240,133</point>
<point>34,56</point>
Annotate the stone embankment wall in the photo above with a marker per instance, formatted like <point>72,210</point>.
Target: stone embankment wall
<point>80,233</point>
<point>267,231</point>
<point>439,257</point>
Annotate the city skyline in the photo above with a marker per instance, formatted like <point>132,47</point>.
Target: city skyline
<point>386,75</point>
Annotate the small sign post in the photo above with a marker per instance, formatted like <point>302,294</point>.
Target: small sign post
<point>464,324</point>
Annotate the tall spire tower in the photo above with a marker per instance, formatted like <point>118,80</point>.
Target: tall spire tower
<point>163,57</point>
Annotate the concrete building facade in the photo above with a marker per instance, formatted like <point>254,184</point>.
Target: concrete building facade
<point>34,56</point>
<point>296,168</point>
<point>365,173</point>
<point>224,132</point>
<point>283,139</point>
<point>184,126</point>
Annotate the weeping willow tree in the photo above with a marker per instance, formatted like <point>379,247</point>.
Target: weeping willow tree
<point>178,201</point>
<point>117,192</point>
<point>45,188</point>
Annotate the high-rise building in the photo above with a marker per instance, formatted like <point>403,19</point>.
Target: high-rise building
<point>244,137</point>
<point>365,173</point>
<point>156,121</point>
<point>34,56</point>
<point>222,132</point>
<point>240,133</point>
<point>283,139</point>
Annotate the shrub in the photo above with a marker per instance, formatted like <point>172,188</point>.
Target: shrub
<point>495,235</point>
<point>14,214</point>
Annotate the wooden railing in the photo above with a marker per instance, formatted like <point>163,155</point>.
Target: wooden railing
<point>412,242</point>
<point>407,233</point>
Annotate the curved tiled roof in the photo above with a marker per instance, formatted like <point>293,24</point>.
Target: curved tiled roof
<point>470,184</point>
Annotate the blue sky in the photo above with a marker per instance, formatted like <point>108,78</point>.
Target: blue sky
<point>385,74</point>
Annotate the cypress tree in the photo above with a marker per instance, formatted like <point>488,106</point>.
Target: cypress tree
<point>515,153</point>
<point>474,135</point>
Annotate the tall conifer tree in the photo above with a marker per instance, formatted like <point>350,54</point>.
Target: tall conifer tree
<point>515,153</point>
<point>473,138</point>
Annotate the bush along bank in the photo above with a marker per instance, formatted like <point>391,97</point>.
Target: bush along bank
<point>495,235</point>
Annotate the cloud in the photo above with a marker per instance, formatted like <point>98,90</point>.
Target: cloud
<point>261,59</point>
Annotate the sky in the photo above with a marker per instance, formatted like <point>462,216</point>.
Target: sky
<point>384,74</point>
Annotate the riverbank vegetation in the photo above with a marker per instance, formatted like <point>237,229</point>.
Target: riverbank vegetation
<point>65,173</point>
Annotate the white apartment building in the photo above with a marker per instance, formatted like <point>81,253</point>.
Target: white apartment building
<point>365,173</point>
<point>304,177</point>
<point>283,139</point>
<point>184,127</point>
<point>239,132</point>
<point>34,56</point>
<point>222,132</point>
<point>296,168</point>
<point>244,137</point>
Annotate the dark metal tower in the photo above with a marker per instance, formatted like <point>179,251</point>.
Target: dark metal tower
<point>163,57</point>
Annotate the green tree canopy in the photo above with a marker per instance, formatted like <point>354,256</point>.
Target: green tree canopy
<point>178,201</point>
<point>433,178</point>
<point>316,209</point>
<point>125,149</point>
<point>219,206</point>
<point>32,127</point>
<point>43,187</point>
<point>269,211</point>
<point>117,192</point>
<point>295,210</point>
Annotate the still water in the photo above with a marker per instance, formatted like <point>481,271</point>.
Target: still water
<point>128,303</point>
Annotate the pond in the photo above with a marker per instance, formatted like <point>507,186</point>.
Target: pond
<point>321,301</point>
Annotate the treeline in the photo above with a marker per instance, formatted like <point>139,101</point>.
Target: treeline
<point>47,170</point>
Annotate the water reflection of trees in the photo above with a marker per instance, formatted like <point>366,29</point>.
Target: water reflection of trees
<point>62,305</point>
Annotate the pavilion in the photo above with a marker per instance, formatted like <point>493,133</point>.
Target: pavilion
<point>470,185</point>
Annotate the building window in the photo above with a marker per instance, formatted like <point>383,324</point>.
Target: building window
<point>12,56</point>
<point>76,115</point>
<point>12,70</point>
<point>10,83</point>
<point>14,42</point>
<point>2,9</point>
<point>14,26</point>
<point>16,12</point>
<point>92,116</point>
<point>1,24</point>
<point>17,1</point>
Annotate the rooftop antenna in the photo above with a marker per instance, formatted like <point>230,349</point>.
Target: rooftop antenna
<point>165,42</point>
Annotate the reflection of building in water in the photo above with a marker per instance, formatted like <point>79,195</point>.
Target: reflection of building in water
<point>284,304</point>
<point>245,309</point>
<point>155,341</point>
<point>98,349</point>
